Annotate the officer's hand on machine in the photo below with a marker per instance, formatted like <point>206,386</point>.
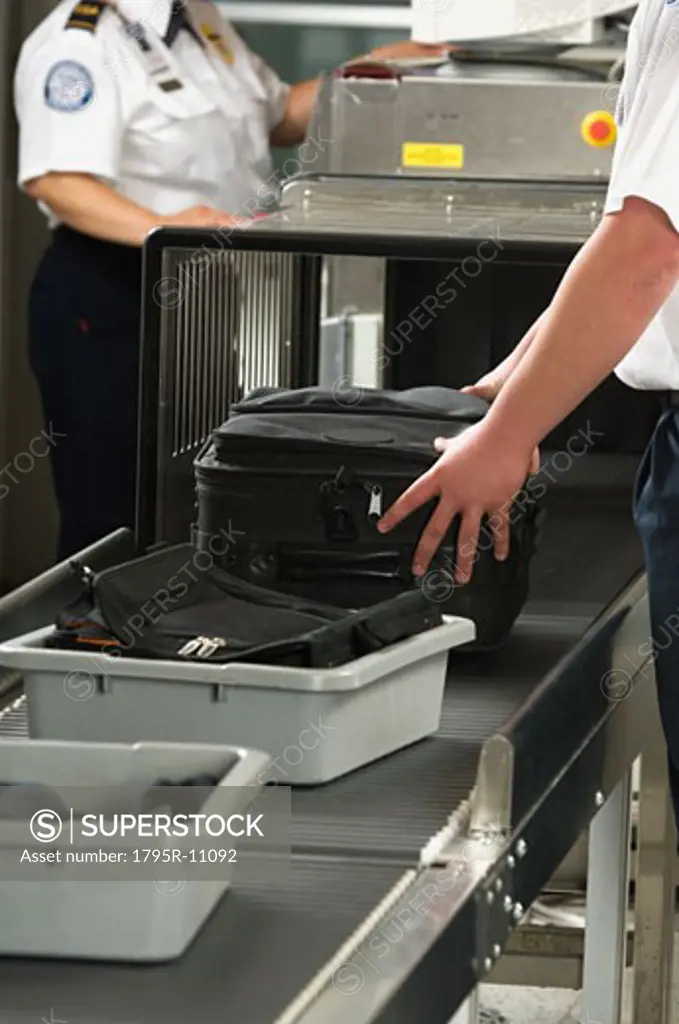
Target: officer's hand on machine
<point>203,217</point>
<point>409,49</point>
<point>93,208</point>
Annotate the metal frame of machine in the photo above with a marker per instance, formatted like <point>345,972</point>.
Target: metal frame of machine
<point>451,122</point>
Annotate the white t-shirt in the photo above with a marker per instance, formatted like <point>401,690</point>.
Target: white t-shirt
<point>646,165</point>
<point>167,128</point>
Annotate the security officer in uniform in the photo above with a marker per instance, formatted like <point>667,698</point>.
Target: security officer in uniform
<point>617,307</point>
<point>133,114</point>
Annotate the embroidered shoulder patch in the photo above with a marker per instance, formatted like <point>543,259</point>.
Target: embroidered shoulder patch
<point>69,87</point>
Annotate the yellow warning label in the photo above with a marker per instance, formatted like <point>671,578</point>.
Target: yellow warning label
<point>433,155</point>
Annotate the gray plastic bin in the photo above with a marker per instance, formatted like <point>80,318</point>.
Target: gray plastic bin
<point>317,724</point>
<point>142,921</point>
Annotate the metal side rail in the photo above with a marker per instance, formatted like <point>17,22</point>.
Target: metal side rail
<point>38,602</point>
<point>541,780</point>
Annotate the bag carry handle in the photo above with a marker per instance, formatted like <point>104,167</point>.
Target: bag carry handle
<point>430,403</point>
<point>299,564</point>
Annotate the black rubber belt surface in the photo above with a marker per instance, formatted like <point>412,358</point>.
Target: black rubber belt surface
<point>263,946</point>
<point>14,721</point>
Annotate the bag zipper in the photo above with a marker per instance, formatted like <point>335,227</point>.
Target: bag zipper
<point>375,505</point>
<point>345,481</point>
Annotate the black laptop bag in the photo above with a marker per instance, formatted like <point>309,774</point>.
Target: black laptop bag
<point>176,604</point>
<point>299,480</point>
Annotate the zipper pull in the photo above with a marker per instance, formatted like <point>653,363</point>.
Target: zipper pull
<point>212,645</point>
<point>191,648</point>
<point>202,647</point>
<point>375,507</point>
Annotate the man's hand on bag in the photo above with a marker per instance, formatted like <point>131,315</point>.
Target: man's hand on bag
<point>488,388</point>
<point>478,475</point>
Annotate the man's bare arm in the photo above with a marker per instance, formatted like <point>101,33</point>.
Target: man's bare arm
<point>293,129</point>
<point>87,205</point>
<point>612,291</point>
<point>614,288</point>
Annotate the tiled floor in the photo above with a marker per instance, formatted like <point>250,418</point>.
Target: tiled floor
<point>528,1005</point>
<point>553,1006</point>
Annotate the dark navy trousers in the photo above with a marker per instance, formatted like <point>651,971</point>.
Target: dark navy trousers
<point>84,329</point>
<point>657,518</point>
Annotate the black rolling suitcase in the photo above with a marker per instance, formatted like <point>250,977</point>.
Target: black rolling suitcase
<point>300,481</point>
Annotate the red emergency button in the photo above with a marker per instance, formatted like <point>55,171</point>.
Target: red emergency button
<point>599,129</point>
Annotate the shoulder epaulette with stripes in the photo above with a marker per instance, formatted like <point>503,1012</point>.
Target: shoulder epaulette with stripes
<point>86,16</point>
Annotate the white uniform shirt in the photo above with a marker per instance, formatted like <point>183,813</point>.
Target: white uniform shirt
<point>646,165</point>
<point>93,102</point>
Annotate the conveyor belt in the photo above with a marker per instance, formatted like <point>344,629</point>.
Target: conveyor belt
<point>355,838</point>
<point>263,945</point>
<point>14,720</point>
<point>588,553</point>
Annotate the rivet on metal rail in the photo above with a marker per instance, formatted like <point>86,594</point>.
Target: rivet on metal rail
<point>521,848</point>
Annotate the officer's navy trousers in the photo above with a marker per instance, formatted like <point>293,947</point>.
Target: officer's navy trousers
<point>84,329</point>
<point>657,518</point>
